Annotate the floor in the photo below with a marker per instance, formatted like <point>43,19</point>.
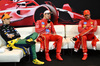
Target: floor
<point>70,59</point>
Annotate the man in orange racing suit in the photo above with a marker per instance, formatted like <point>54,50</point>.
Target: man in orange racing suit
<point>47,33</point>
<point>86,28</point>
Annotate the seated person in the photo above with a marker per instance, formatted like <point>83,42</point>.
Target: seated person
<point>12,38</point>
<point>86,28</point>
<point>48,33</point>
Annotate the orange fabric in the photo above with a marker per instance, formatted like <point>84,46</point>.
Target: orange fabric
<point>6,16</point>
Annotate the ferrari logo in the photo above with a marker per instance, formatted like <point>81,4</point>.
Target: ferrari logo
<point>91,22</point>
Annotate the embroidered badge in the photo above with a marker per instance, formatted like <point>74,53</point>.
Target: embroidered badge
<point>43,23</point>
<point>85,23</point>
<point>91,22</point>
<point>43,26</point>
<point>47,30</point>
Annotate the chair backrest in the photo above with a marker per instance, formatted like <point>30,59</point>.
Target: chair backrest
<point>72,30</point>
<point>60,30</point>
<point>2,41</point>
<point>97,33</point>
<point>25,31</point>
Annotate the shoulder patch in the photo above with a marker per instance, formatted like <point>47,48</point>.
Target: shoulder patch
<point>85,22</point>
<point>43,23</point>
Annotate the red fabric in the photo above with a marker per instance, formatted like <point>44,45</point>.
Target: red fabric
<point>85,56</point>
<point>90,23</point>
<point>47,35</point>
<point>40,27</point>
<point>86,12</point>
<point>59,57</point>
<point>86,29</point>
<point>47,57</point>
<point>39,39</point>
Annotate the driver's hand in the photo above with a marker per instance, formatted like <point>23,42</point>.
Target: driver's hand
<point>48,25</point>
<point>10,35</point>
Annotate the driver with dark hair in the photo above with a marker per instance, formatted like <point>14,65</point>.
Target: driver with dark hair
<point>86,29</point>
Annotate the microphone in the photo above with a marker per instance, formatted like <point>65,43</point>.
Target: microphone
<point>74,39</point>
<point>49,21</point>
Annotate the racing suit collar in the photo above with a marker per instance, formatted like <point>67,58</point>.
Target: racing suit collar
<point>45,19</point>
<point>88,20</point>
<point>5,24</point>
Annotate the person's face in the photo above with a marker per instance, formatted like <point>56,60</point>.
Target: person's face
<point>87,17</point>
<point>6,21</point>
<point>47,15</point>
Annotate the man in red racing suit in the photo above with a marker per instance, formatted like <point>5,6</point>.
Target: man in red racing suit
<point>47,33</point>
<point>86,28</point>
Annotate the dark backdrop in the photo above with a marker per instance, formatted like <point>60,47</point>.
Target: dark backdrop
<point>79,6</point>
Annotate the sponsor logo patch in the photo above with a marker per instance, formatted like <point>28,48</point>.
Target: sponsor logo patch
<point>85,23</point>
<point>47,30</point>
<point>43,23</point>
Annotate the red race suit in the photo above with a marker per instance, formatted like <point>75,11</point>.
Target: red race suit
<point>86,28</point>
<point>47,34</point>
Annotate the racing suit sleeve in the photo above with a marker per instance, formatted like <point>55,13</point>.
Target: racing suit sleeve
<point>82,30</point>
<point>52,28</point>
<point>16,33</point>
<point>3,31</point>
<point>95,26</point>
<point>89,29</point>
<point>38,27</point>
<point>86,31</point>
<point>80,27</point>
